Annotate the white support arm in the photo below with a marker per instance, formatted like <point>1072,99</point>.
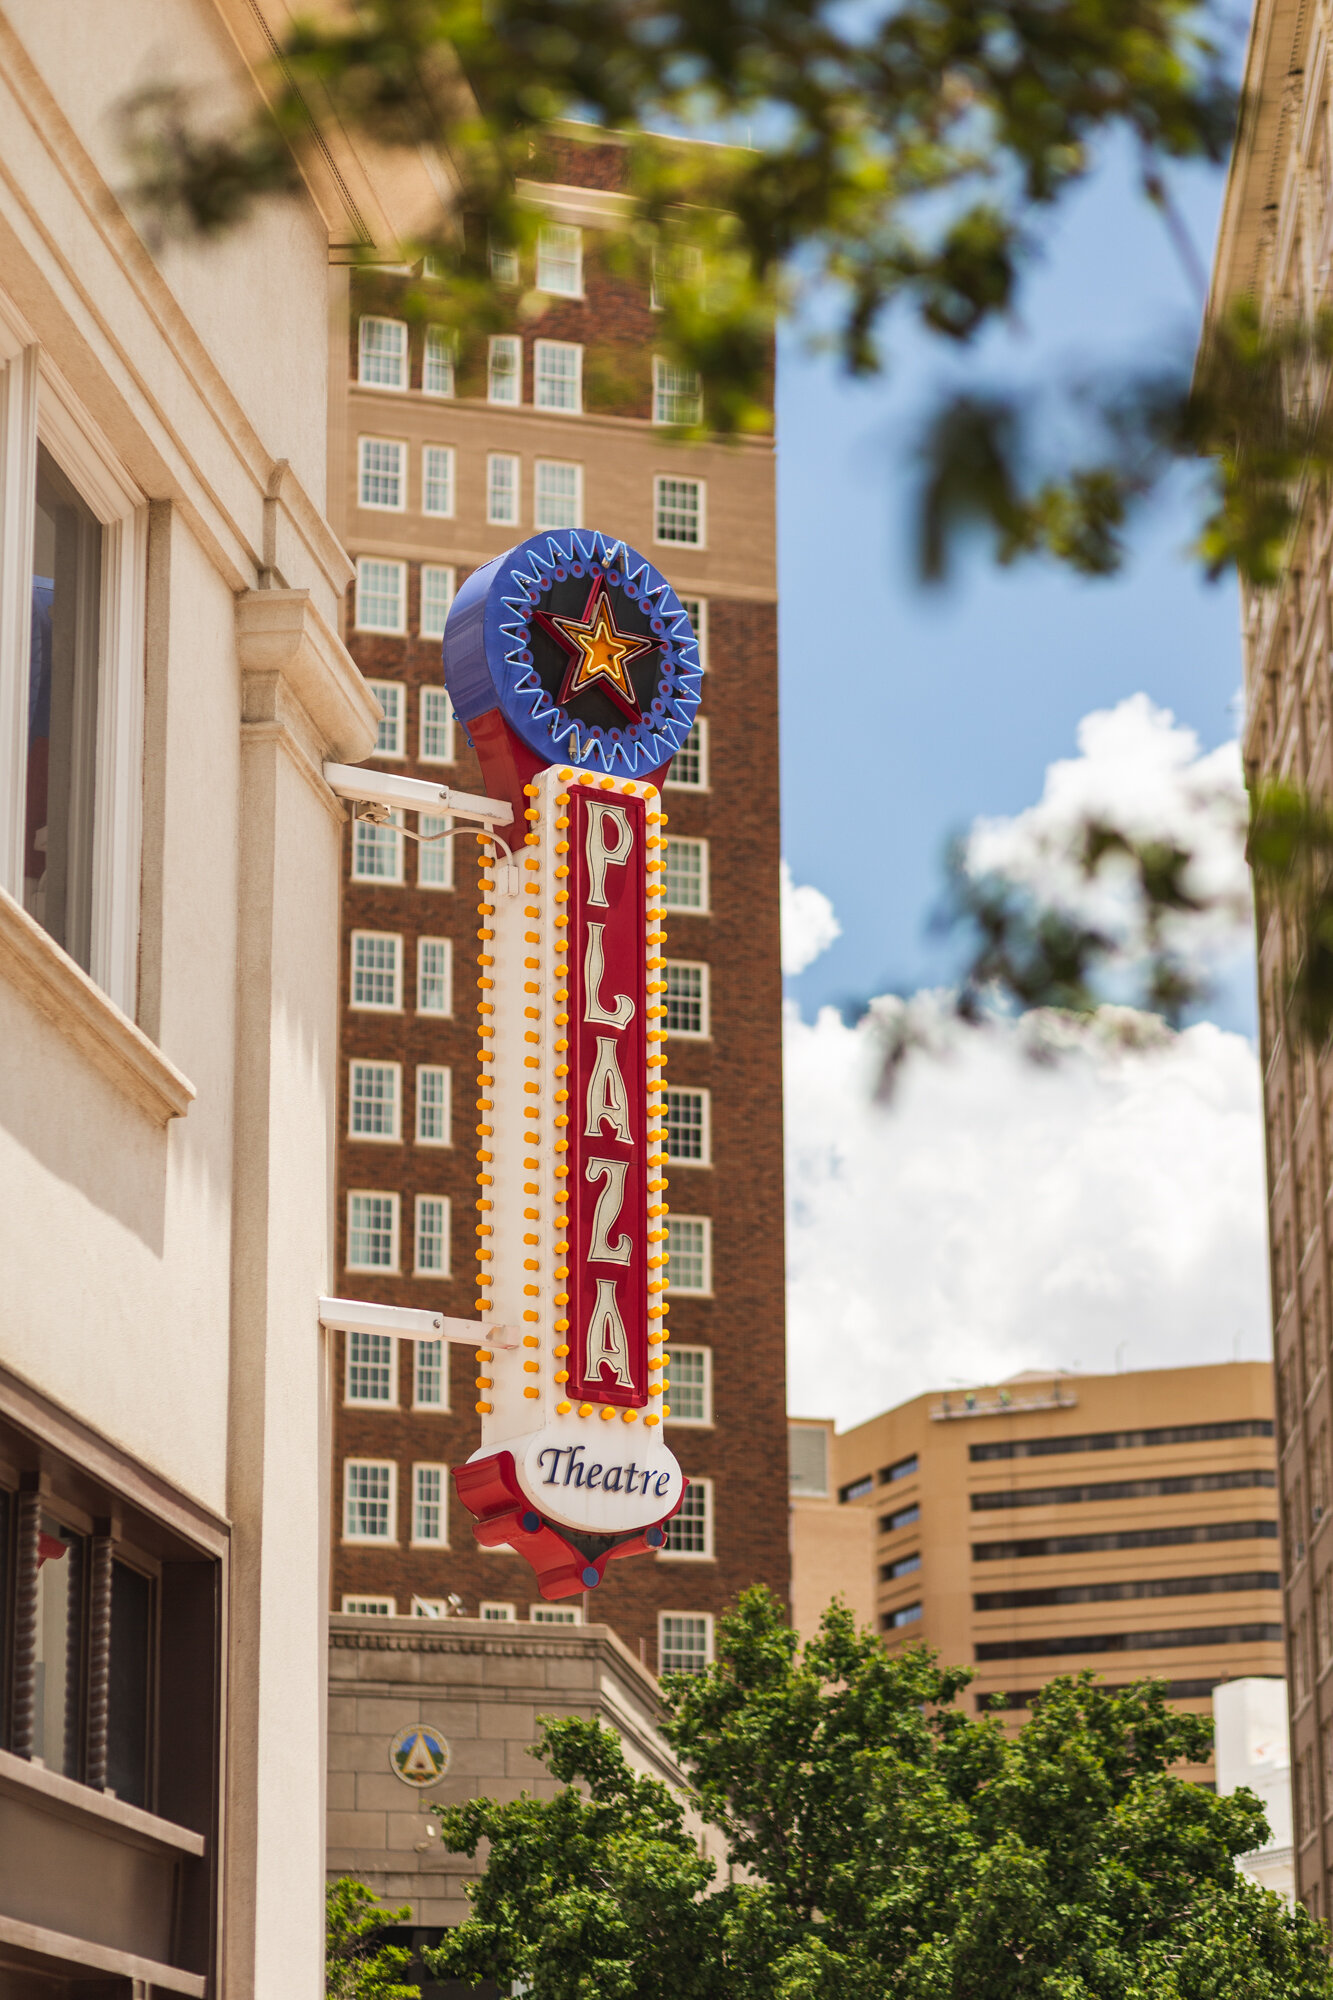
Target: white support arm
<point>382,788</point>
<point>408,1323</point>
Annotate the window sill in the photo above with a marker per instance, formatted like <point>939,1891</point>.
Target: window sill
<point>64,994</point>
<point>63,1797</point>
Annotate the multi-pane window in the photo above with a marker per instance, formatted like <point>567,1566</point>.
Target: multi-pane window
<point>370,1607</point>
<point>435,854</point>
<point>429,1521</point>
<point>373,1100</point>
<point>689,766</point>
<point>502,489</point>
<point>392,698</point>
<point>382,354</point>
<point>377,851</point>
<point>430,1607</point>
<point>691,1247</point>
<point>434,976</point>
<point>685,878</point>
<point>437,363</point>
<point>684,1642</point>
<point>430,1376</point>
<point>674,264</point>
<point>377,971</point>
<point>437,479</point>
<point>432,1258</point>
<point>678,511</point>
<point>504,369</point>
<point>554,1614</point>
<point>690,1532</point>
<point>381,595</point>
<point>497,1614</point>
<point>696,610</point>
<point>557,494</point>
<point>433,1104</point>
<point>686,998</point>
<point>678,395</point>
<point>383,474</point>
<point>557,375</point>
<point>371,1365</point>
<point>504,264</point>
<point>437,725</point>
<point>691,1381</point>
<point>369,1499</point>
<point>437,594</point>
<point>687,1127</point>
<point>372,1232</point>
<point>560,260</point>
<point>909,1615</point>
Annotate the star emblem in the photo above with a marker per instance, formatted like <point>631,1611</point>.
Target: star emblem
<point>599,652</point>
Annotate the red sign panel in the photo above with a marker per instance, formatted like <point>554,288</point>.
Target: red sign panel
<point>608,1098</point>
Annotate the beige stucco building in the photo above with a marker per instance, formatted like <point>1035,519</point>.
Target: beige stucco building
<point>171,679</point>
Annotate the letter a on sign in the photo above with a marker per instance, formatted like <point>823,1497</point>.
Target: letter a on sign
<point>607,1346</point>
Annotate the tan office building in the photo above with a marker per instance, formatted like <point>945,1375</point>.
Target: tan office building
<point>1123,1523</point>
<point>451,458</point>
<point>1273,247</point>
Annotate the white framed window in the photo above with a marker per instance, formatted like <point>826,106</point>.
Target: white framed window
<point>382,353</point>
<point>435,855</point>
<point>504,264</point>
<point>432,1236</point>
<point>373,1099</point>
<point>554,1614</point>
<point>684,1641</point>
<point>377,971</point>
<point>673,264</point>
<point>691,1245</point>
<point>71,679</point>
<point>502,489</point>
<point>435,976</point>
<point>377,851</point>
<point>691,1378</point>
<point>437,362</point>
<point>678,393</point>
<point>437,480</point>
<point>370,1607</point>
<point>381,595</point>
<point>437,595</point>
<point>430,1375</point>
<point>504,369</point>
<point>372,1231</point>
<point>557,375</point>
<point>382,480</point>
<point>696,610</point>
<point>497,1614</point>
<point>392,698</point>
<point>560,260</point>
<point>689,1139</point>
<point>370,1500</point>
<point>689,767</point>
<point>679,511</point>
<point>430,1506</point>
<point>434,1104</point>
<point>685,877</point>
<point>690,1532</point>
<point>372,1370</point>
<point>686,998</point>
<point>557,494</point>
<point>430,1607</point>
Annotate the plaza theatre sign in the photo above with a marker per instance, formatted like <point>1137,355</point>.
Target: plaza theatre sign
<point>571,663</point>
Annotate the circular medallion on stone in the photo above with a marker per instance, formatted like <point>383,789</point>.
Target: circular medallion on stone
<point>419,1755</point>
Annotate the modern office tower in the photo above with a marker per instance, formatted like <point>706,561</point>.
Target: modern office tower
<point>564,420</point>
<point>1273,248</point>
<point>1123,1523</point>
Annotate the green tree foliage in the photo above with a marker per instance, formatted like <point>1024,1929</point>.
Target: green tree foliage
<point>356,1967</point>
<point>880,1842</point>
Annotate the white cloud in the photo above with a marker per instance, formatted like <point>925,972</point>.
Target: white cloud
<point>1000,1215</point>
<point>808,924</point>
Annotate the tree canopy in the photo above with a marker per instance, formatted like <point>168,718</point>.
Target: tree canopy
<point>879,1840</point>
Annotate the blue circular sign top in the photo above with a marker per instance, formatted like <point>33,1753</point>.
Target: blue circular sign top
<point>584,648</point>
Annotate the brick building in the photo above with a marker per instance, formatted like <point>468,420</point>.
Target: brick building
<point>450,458</point>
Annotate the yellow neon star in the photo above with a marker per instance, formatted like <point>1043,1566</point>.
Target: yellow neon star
<point>599,651</point>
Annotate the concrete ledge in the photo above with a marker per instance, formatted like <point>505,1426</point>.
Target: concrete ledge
<point>67,1799</point>
<point>49,1952</point>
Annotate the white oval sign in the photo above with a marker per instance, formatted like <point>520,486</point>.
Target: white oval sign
<point>597,1478</point>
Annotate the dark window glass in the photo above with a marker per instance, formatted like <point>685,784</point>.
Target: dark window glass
<point>62,712</point>
<point>1122,1489</point>
<point>903,1567</point>
<point>856,1489</point>
<point>1169,1434</point>
<point>1126,1538</point>
<point>58,1679</point>
<point>1175,1691</point>
<point>128,1684</point>
<point>1106,1593</point>
<point>903,1468</point>
<point>890,1523</point>
<point>1127,1642</point>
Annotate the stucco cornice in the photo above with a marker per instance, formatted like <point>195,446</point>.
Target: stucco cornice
<point>290,654</point>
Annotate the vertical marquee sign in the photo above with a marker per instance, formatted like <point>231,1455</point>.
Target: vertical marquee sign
<point>571,663</point>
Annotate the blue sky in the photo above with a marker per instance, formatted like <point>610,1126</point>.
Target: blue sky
<point>907,712</point>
